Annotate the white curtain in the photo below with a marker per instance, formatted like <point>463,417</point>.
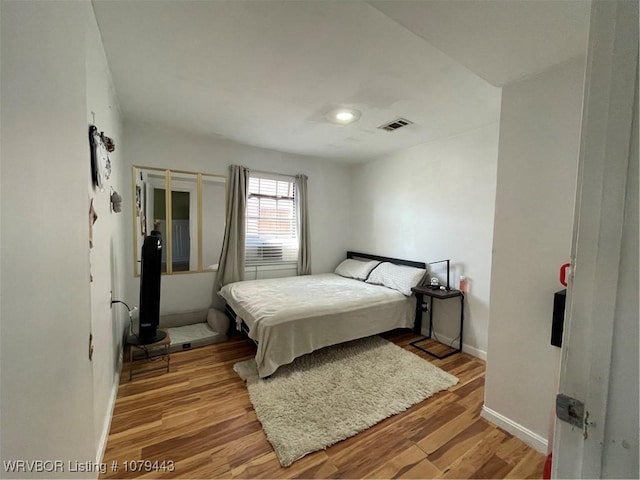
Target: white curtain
<point>231,264</point>
<point>302,215</point>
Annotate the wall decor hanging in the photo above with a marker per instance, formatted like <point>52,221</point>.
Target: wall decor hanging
<point>100,163</point>
<point>116,201</point>
<point>93,216</point>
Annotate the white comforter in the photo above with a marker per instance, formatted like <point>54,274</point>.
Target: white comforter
<point>292,316</point>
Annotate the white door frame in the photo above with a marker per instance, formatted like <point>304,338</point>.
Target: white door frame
<point>610,84</point>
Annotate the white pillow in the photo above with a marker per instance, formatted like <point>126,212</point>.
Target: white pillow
<point>355,268</point>
<point>397,277</point>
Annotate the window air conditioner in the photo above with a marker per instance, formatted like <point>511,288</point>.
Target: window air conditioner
<point>270,251</point>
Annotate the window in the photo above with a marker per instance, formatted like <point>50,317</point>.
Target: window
<point>271,226</point>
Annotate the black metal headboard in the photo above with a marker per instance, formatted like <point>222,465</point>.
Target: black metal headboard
<point>397,261</point>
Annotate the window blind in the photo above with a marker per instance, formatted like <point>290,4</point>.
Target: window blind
<point>271,227</point>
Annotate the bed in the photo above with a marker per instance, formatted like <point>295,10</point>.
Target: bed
<point>292,316</point>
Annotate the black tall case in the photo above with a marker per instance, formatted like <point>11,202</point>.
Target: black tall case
<point>150,275</point>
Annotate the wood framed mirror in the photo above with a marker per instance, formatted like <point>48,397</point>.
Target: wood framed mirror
<point>188,208</point>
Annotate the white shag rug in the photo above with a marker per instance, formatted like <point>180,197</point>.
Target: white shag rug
<point>334,393</point>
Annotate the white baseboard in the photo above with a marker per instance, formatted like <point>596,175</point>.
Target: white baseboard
<point>532,439</point>
<point>106,427</point>
<point>476,352</point>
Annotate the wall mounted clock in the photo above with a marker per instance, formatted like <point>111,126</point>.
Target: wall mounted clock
<point>100,163</point>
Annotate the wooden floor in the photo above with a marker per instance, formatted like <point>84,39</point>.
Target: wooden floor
<point>199,421</point>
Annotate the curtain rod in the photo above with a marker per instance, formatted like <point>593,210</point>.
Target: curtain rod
<point>271,173</point>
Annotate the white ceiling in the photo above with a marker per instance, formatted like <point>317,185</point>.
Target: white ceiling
<point>500,40</point>
<point>265,73</point>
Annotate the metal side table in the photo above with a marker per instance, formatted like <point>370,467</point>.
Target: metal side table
<point>421,306</point>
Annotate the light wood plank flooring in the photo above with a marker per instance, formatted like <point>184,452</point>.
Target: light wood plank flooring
<point>200,417</point>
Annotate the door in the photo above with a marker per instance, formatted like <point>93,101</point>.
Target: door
<point>594,292</point>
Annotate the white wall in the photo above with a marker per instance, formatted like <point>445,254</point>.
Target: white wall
<point>329,201</point>
<point>432,202</point>
<point>56,403</point>
<point>46,381</point>
<point>537,168</point>
<point>107,255</point>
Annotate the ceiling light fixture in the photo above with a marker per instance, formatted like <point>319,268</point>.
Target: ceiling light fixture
<point>343,116</point>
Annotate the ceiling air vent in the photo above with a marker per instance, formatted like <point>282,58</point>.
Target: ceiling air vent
<point>395,124</point>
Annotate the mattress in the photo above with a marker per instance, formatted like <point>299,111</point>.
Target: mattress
<point>292,316</point>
